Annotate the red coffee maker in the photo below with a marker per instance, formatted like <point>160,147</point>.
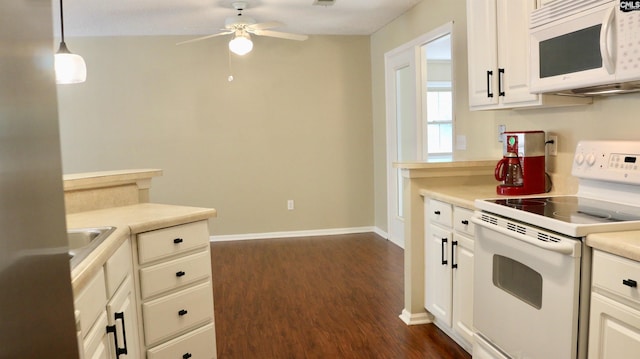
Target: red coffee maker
<point>521,169</point>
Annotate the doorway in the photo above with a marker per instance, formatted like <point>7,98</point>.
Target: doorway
<point>419,112</point>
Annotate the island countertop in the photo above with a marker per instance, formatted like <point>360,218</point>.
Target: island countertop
<point>128,220</point>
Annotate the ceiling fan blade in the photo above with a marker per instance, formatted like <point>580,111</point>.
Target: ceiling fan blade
<point>282,35</point>
<point>265,25</point>
<point>204,37</point>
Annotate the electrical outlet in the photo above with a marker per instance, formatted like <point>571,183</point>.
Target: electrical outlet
<point>501,130</point>
<point>552,142</point>
<point>290,206</point>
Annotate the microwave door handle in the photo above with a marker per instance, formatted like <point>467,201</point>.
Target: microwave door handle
<point>607,56</point>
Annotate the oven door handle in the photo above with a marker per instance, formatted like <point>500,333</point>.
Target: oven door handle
<point>563,248</point>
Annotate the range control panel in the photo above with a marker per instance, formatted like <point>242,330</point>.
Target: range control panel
<point>613,161</point>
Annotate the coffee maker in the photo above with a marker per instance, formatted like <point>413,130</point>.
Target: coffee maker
<point>521,170</point>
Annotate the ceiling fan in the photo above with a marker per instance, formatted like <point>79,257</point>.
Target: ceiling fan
<point>243,27</point>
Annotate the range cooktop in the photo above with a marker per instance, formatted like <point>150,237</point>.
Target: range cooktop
<point>573,209</point>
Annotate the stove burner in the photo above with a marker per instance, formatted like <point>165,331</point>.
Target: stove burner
<point>522,202</point>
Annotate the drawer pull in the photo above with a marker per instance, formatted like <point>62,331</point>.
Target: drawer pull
<point>436,213</point>
<point>177,240</point>
<point>465,222</point>
<point>180,274</point>
<point>182,312</point>
<point>630,283</point>
<point>186,356</point>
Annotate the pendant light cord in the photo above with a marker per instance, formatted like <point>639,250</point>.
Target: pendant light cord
<point>61,22</point>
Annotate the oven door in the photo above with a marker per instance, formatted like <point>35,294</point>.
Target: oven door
<point>526,289</point>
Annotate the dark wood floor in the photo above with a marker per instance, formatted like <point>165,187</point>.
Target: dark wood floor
<point>317,297</point>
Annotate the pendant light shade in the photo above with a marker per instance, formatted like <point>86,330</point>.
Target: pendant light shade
<point>70,68</point>
<point>241,44</point>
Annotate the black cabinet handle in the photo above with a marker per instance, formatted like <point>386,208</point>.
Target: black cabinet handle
<point>186,356</point>
<point>489,76</point>
<point>112,329</point>
<point>182,312</point>
<point>453,254</point>
<point>436,213</point>
<point>177,240</point>
<point>630,283</point>
<point>465,222</point>
<point>500,80</point>
<point>180,274</point>
<point>442,254</point>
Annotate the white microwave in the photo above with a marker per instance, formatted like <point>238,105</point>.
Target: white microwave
<point>586,47</point>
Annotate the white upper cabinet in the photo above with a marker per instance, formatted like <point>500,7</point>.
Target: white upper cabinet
<point>498,57</point>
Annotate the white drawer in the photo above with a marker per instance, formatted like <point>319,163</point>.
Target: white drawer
<point>200,343</point>
<point>612,272</point>
<point>172,314</point>
<point>173,274</point>
<point>170,241</point>
<point>91,301</point>
<point>439,212</point>
<point>462,220</point>
<point>117,267</point>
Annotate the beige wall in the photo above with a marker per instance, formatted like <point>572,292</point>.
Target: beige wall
<point>606,118</point>
<point>294,124</point>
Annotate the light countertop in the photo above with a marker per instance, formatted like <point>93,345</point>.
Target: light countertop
<point>625,244</point>
<point>129,220</point>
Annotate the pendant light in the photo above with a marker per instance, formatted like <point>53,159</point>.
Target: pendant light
<point>70,68</point>
<point>241,43</point>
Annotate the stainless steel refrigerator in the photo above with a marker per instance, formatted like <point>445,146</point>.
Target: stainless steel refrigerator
<point>36,301</point>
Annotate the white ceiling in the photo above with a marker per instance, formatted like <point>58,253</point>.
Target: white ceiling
<point>202,17</point>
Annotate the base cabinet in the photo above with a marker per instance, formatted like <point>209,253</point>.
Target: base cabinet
<point>175,296</point>
<point>108,320</point>
<point>449,269</point>
<point>614,323</point>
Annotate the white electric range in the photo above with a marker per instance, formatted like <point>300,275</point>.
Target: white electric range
<point>532,268</point>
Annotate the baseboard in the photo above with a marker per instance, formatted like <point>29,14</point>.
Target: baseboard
<point>415,318</point>
<point>291,234</point>
<point>380,232</point>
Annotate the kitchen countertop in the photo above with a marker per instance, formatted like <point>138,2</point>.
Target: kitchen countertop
<point>128,220</point>
<point>625,244</point>
<point>462,196</point>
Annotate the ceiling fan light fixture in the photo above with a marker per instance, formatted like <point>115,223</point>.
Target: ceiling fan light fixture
<point>241,44</point>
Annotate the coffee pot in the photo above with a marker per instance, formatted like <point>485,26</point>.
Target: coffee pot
<point>509,170</point>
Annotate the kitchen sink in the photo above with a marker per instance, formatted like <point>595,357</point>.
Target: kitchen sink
<point>83,241</point>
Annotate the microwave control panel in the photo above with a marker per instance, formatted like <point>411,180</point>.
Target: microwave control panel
<point>628,38</point>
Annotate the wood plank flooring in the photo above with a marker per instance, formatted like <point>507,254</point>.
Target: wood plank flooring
<point>317,297</point>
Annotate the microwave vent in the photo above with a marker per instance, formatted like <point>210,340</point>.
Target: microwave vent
<point>560,9</point>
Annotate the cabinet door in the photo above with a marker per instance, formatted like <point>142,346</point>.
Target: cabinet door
<point>482,51</point>
<point>463,287</point>
<point>513,51</point>
<point>438,273</point>
<point>614,329</point>
<point>122,315</point>
<point>96,342</point>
